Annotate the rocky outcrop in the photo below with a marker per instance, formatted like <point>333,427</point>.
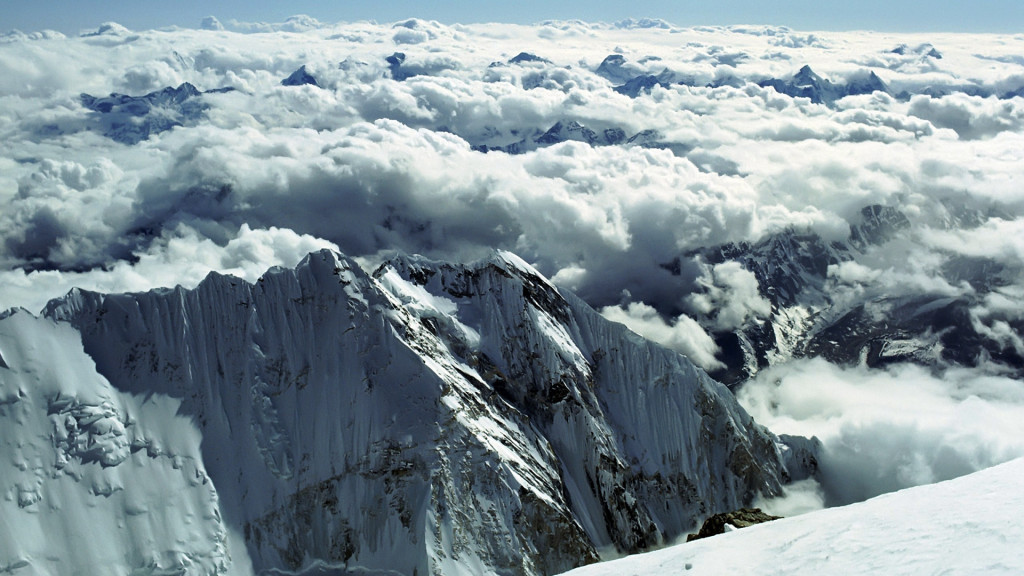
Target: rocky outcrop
<point>132,119</point>
<point>808,84</point>
<point>721,523</point>
<point>300,78</point>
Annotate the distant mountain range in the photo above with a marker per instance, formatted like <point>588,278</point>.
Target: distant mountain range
<point>131,119</point>
<point>926,327</point>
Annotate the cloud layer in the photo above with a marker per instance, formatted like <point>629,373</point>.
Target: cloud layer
<point>883,430</point>
<point>454,140</point>
<point>373,163</point>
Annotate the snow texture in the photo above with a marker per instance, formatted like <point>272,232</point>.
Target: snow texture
<point>970,525</point>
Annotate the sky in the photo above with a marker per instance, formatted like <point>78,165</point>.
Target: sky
<point>71,17</point>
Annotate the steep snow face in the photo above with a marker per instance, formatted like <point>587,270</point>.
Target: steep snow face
<point>433,419</point>
<point>970,525</point>
<point>339,430</point>
<point>647,443</point>
<point>95,479</point>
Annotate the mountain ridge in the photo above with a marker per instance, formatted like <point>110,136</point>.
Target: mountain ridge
<point>431,418</point>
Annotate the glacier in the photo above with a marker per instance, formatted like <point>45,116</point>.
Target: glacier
<point>428,418</point>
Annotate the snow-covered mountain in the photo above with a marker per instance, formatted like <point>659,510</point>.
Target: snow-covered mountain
<point>519,142</point>
<point>808,84</point>
<point>969,525</point>
<point>132,119</point>
<point>428,419</point>
<point>799,274</point>
<point>828,221</point>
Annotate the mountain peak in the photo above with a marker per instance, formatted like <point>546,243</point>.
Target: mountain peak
<point>807,76</point>
<point>527,57</point>
<point>511,261</point>
<point>474,405</point>
<point>300,78</point>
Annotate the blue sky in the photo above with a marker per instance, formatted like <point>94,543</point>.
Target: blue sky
<point>72,16</point>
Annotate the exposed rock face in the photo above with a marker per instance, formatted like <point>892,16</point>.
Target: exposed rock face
<point>615,69</point>
<point>430,419</point>
<point>795,274</point>
<point>634,87</point>
<point>572,130</point>
<point>132,119</point>
<point>526,57</point>
<point>737,519</point>
<point>562,131</point>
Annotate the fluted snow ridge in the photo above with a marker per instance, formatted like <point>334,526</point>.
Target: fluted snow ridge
<point>432,418</point>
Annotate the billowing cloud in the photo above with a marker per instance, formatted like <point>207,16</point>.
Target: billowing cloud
<point>372,162</point>
<point>683,335</point>
<point>883,430</point>
<point>182,256</point>
<point>970,117</point>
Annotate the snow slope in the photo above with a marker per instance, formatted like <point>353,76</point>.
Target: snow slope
<point>970,525</point>
<point>93,479</point>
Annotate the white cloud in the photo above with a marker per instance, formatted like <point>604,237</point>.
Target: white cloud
<point>883,430</point>
<point>995,238</point>
<point>366,164</point>
<point>970,117</point>
<point>359,161</point>
<point>179,257</point>
<point>684,334</point>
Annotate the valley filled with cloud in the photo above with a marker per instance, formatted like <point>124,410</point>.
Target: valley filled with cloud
<point>830,223</point>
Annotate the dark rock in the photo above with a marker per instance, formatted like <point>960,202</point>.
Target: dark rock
<point>300,78</point>
<point>926,50</point>
<point>878,225</point>
<point>401,69</point>
<point>738,518</point>
<point>571,130</point>
<point>807,84</point>
<point>639,85</point>
<point>127,119</point>
<point>527,57</point>
<point>611,68</point>
<point>563,131</point>
<point>865,84</point>
<point>395,62</point>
